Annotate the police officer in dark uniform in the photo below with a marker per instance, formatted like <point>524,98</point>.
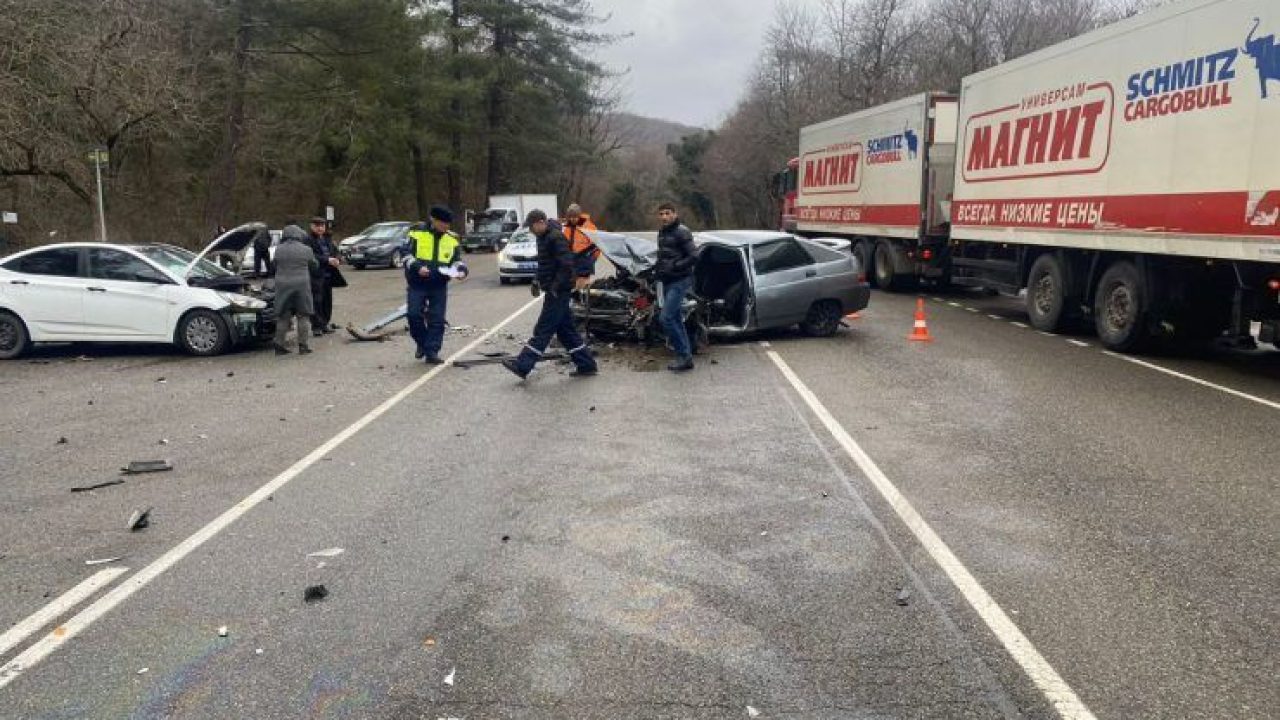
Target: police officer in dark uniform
<point>434,260</point>
<point>555,277</point>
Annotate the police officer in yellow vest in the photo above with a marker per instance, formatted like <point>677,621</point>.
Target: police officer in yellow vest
<point>434,258</point>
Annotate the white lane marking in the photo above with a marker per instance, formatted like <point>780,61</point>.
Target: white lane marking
<point>973,310</point>
<point>1079,343</point>
<point>954,304</point>
<point>139,580</point>
<point>1047,334</point>
<point>58,607</point>
<point>1054,688</point>
<point>1024,326</point>
<point>937,299</point>
<point>996,317</point>
<point>1190,378</point>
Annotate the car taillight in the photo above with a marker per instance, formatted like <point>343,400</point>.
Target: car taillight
<point>926,254</point>
<point>1274,284</point>
<point>641,302</point>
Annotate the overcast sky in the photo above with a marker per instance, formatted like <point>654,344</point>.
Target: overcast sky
<point>689,60</point>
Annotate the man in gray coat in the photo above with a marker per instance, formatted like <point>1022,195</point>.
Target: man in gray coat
<point>294,263</point>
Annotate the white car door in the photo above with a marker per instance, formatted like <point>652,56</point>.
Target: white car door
<point>45,290</point>
<point>126,297</point>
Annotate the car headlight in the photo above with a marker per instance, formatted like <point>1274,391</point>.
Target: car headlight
<point>242,302</point>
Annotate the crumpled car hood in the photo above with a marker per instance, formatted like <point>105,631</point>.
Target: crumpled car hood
<point>232,241</point>
<point>631,254</point>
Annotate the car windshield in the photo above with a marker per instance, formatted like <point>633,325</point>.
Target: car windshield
<point>176,259</point>
<point>490,222</point>
<point>385,232</point>
<point>522,236</point>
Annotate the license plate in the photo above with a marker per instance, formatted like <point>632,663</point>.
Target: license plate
<point>357,256</point>
<point>527,265</point>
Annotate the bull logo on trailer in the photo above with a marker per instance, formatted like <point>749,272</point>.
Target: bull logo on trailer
<point>1265,52</point>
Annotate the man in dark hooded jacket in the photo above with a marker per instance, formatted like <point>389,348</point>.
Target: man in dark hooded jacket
<point>555,277</point>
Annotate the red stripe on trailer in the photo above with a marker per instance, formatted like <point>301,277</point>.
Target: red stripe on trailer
<point>1214,213</point>
<point>903,215</point>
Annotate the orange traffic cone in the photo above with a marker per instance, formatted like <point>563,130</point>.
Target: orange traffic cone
<point>921,330</point>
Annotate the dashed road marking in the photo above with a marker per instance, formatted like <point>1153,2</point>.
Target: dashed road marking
<point>972,310</point>
<point>1047,334</point>
<point>1037,668</point>
<point>1024,326</point>
<point>954,304</point>
<point>86,617</point>
<point>1191,378</point>
<point>1079,343</point>
<point>996,317</point>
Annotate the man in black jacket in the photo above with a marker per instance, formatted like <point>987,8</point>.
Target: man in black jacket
<point>321,243</point>
<point>555,277</point>
<point>674,269</point>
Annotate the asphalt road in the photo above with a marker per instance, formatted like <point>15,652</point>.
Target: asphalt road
<point>641,545</point>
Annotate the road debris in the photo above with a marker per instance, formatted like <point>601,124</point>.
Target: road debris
<point>258,651</point>
<point>231,373</point>
<point>591,409</point>
<point>139,520</point>
<point>315,593</point>
<point>448,679</point>
<point>904,597</point>
<point>104,561</point>
<point>222,631</point>
<point>429,641</point>
<point>99,486</point>
<point>138,467</point>
<point>752,712</point>
<point>62,441</point>
<point>329,553</point>
<point>506,538</point>
<point>161,380</point>
<point>164,441</point>
<point>144,671</point>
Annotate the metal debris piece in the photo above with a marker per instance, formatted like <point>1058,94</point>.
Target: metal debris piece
<point>315,593</point>
<point>372,331</point>
<point>258,651</point>
<point>222,631</point>
<point>752,712</point>
<point>592,409</point>
<point>138,467</point>
<point>139,519</point>
<point>495,358</point>
<point>164,441</point>
<point>103,561</point>
<point>143,671</point>
<point>329,553</point>
<point>506,538</point>
<point>62,441</point>
<point>231,373</point>
<point>99,486</point>
<point>161,380</point>
<point>448,679</point>
<point>904,597</point>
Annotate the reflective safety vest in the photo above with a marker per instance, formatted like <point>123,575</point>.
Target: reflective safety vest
<point>436,252</point>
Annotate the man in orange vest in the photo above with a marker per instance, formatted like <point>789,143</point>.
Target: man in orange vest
<point>577,229</point>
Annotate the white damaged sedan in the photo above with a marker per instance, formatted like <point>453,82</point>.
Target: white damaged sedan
<point>152,293</point>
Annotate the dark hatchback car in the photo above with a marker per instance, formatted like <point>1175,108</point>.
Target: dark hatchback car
<point>382,247</point>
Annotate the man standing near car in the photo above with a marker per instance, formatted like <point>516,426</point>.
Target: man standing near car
<point>321,243</point>
<point>577,229</point>
<point>434,260</point>
<point>295,263</point>
<point>674,269</point>
<point>262,254</point>
<point>555,277</point>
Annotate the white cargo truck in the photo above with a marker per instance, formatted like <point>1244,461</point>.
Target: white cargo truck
<point>1130,176</point>
<point>506,213</point>
<point>881,178</point>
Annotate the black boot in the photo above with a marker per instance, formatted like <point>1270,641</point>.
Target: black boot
<point>683,364</point>
<point>304,350</point>
<point>280,349</point>
<point>510,364</point>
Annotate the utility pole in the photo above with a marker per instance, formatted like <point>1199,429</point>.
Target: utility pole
<point>99,156</point>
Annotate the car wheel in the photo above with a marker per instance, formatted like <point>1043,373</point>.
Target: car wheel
<point>203,333</point>
<point>14,340</point>
<point>883,263</point>
<point>1120,308</point>
<point>864,253</point>
<point>823,319</point>
<point>397,259</point>
<point>1047,294</point>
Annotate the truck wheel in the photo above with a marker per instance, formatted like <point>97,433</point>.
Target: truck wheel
<point>823,319</point>
<point>1047,294</point>
<point>865,255</point>
<point>1121,308</point>
<point>883,264</point>
<point>14,340</point>
<point>203,333</point>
